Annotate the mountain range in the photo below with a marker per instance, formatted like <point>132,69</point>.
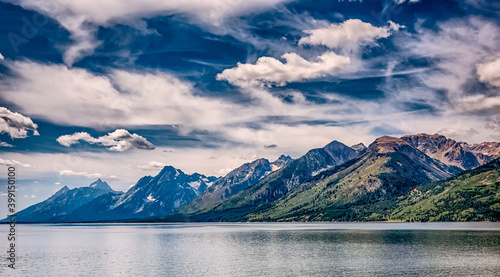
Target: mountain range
<point>413,178</point>
<point>64,202</point>
<point>455,153</point>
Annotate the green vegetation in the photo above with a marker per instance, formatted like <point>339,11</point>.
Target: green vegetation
<point>474,196</point>
<point>335,194</point>
<point>470,196</point>
<point>374,187</point>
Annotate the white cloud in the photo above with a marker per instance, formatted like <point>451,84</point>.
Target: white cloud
<point>399,2</point>
<point>350,33</point>
<point>458,133</point>
<point>68,172</point>
<point>74,96</point>
<point>153,165</point>
<point>270,71</point>
<point>119,98</point>
<point>455,47</point>
<point>5,144</point>
<point>82,18</point>
<point>1,57</point>
<point>57,183</point>
<point>477,103</point>
<point>13,163</point>
<point>490,72</point>
<point>15,124</point>
<point>119,140</point>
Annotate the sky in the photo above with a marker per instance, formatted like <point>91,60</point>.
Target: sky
<point>118,89</point>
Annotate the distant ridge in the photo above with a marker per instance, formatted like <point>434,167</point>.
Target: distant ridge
<point>455,153</point>
<point>415,177</point>
<point>64,202</point>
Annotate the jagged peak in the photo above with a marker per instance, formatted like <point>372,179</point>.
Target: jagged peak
<point>282,161</point>
<point>100,184</point>
<point>436,135</point>
<point>283,158</point>
<point>486,143</point>
<point>359,147</point>
<point>260,161</point>
<point>246,166</point>
<point>60,192</point>
<point>171,170</point>
<point>63,189</point>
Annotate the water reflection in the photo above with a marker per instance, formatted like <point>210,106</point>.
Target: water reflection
<point>259,250</point>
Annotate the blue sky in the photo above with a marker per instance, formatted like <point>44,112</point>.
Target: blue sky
<point>117,90</point>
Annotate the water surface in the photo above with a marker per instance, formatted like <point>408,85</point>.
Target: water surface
<point>257,249</point>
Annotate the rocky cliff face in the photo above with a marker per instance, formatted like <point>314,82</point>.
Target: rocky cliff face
<point>455,153</point>
<point>234,182</point>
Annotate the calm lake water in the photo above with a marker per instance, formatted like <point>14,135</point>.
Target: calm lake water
<point>263,249</point>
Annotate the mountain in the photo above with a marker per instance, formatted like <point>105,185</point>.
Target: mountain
<point>390,167</point>
<point>282,161</point>
<point>64,202</point>
<point>95,210</point>
<point>359,147</point>
<point>455,153</point>
<point>234,182</point>
<point>101,185</point>
<point>472,195</point>
<point>491,149</point>
<point>413,178</point>
<point>149,197</point>
<point>278,183</point>
<point>200,182</point>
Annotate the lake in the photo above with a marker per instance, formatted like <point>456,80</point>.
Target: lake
<point>256,249</point>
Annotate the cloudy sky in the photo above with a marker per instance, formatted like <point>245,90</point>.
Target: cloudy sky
<point>117,89</point>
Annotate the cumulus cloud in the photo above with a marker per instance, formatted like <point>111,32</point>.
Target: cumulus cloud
<point>62,95</point>
<point>119,140</point>
<point>68,172</point>
<point>13,163</point>
<point>15,124</point>
<point>270,71</point>
<point>1,57</point>
<point>82,18</point>
<point>5,144</point>
<point>153,165</point>
<point>350,33</point>
<point>490,72</point>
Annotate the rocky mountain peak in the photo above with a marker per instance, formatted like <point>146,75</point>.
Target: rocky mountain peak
<point>388,144</point>
<point>359,147</point>
<point>487,148</point>
<point>100,184</point>
<point>60,192</point>
<point>281,162</point>
<point>455,153</point>
<point>338,151</point>
<point>335,146</point>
